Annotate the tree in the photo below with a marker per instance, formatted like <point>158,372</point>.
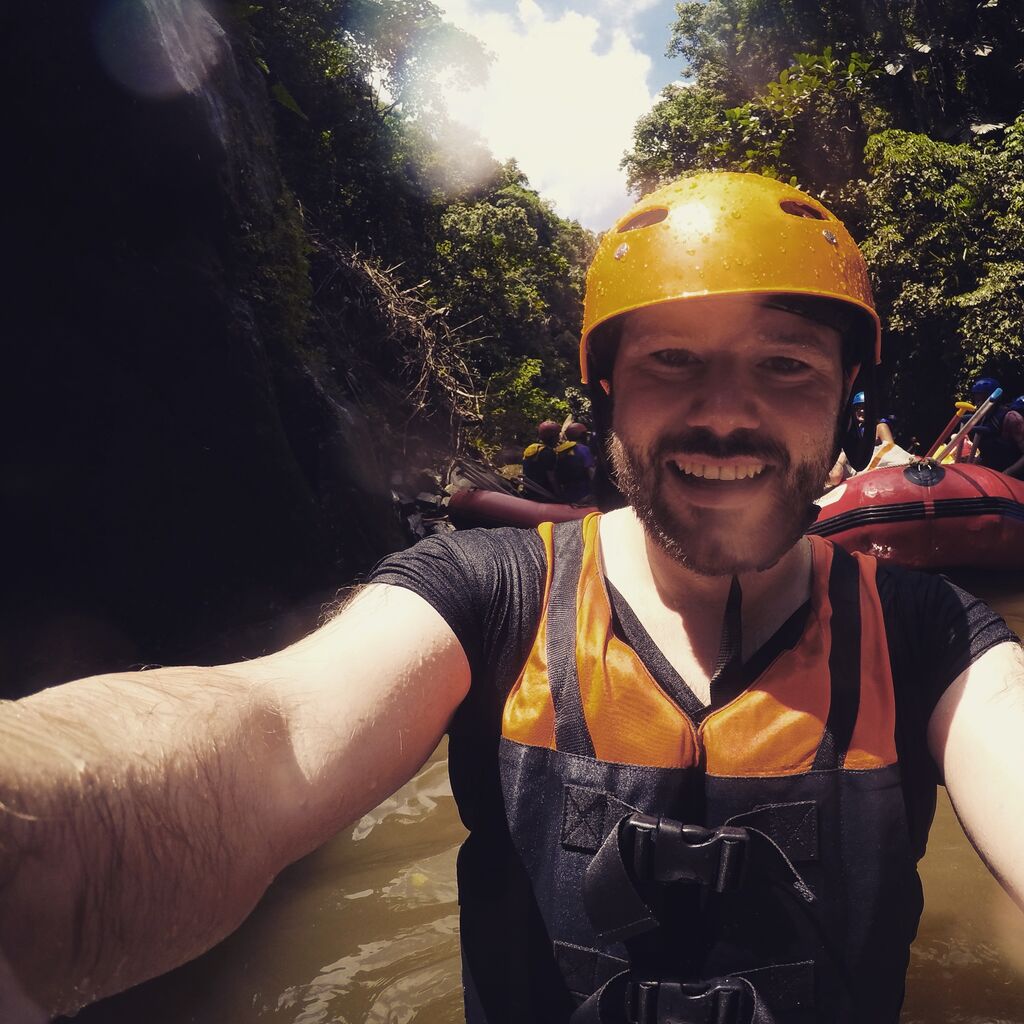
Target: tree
<point>898,115</point>
<point>944,228</point>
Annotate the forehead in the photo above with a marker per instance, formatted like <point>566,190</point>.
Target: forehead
<point>723,317</point>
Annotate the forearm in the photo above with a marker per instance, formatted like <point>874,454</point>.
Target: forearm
<point>129,842</point>
<point>975,737</point>
<point>1017,469</point>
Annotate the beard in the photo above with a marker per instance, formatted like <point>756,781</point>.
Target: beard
<point>711,541</point>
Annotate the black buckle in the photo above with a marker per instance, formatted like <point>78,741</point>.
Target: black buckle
<point>674,1002</point>
<point>664,850</point>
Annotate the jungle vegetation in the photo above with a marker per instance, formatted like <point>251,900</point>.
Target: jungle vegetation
<point>907,118</point>
<point>477,279</point>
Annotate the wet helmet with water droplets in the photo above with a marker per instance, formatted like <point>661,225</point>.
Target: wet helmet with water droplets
<point>722,233</point>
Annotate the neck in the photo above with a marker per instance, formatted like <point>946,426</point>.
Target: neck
<point>680,588</point>
<point>653,577</point>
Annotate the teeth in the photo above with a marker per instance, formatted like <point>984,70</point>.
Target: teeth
<point>711,471</point>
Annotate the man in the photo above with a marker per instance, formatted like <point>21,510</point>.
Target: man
<point>575,466</point>
<point>579,470</point>
<point>887,452</point>
<point>696,751</point>
<point>1000,435</point>
<point>540,462</point>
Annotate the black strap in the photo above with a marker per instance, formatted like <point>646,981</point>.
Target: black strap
<point>843,661</point>
<point>586,970</point>
<point>727,679</point>
<point>632,631</point>
<point>571,733</point>
<point>641,850</point>
<point>611,893</point>
<point>732,999</point>
<point>792,826</point>
<point>785,987</point>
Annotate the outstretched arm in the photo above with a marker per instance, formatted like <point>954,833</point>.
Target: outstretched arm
<point>975,737</point>
<point>143,815</point>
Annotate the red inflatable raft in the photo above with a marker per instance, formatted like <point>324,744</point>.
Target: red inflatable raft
<point>923,516</point>
<point>926,516</point>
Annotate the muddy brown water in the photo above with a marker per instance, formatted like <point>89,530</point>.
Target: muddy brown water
<point>365,931</point>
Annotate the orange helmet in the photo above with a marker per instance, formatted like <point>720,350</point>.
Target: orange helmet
<point>722,233</point>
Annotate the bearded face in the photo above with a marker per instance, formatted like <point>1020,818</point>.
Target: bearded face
<point>725,420</point>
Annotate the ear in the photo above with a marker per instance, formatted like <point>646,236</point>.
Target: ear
<point>606,386</point>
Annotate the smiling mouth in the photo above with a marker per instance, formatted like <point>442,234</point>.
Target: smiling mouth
<point>707,469</point>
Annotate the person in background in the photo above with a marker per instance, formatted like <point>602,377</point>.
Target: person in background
<point>883,428</point>
<point>1000,435</point>
<point>575,467</point>
<point>883,436</point>
<point>540,462</point>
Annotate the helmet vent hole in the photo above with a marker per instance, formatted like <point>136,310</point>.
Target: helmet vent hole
<point>645,219</point>
<point>797,209</point>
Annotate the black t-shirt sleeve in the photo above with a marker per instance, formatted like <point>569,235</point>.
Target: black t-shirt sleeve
<point>935,631</point>
<point>486,584</point>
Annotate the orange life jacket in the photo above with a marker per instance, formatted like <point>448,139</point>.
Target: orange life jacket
<point>750,863</point>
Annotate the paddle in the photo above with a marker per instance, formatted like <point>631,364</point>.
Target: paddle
<point>961,409</point>
<point>979,414</point>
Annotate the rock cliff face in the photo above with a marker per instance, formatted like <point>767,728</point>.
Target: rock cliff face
<point>174,477</point>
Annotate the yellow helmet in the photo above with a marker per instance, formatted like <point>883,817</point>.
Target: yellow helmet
<point>722,233</point>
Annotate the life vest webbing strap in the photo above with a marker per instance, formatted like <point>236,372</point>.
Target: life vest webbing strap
<point>571,733</point>
<point>743,997</point>
<point>727,678</point>
<point>843,661</point>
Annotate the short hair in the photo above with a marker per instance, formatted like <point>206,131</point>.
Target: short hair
<point>548,430</point>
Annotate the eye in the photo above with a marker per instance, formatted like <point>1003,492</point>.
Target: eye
<point>675,357</point>
<point>785,366</point>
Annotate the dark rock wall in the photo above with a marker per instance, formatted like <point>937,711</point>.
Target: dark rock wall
<point>175,484</point>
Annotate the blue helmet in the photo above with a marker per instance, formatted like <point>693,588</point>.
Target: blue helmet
<point>982,388</point>
<point>1017,405</point>
<point>858,399</point>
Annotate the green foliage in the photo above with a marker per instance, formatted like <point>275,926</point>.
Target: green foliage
<point>516,401</point>
<point>894,114</point>
<point>415,247</point>
<point>809,125</point>
<point>945,225</point>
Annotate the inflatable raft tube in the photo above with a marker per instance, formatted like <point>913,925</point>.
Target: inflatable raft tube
<point>927,516</point>
<point>473,507</point>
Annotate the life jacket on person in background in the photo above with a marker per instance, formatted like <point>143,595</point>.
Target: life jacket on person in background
<point>571,471</point>
<point>996,451</point>
<point>540,460</point>
<point>751,862</point>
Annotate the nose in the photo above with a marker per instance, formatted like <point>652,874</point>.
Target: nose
<point>726,401</point>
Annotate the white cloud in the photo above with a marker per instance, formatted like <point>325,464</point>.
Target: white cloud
<point>562,97</point>
<point>626,10</point>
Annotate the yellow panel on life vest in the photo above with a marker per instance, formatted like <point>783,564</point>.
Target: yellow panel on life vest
<point>773,728</point>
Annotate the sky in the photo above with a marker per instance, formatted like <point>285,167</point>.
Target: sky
<point>567,82</point>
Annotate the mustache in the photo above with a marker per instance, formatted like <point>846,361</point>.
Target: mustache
<point>740,443</point>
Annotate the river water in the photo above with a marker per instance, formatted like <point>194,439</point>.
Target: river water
<point>366,929</point>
